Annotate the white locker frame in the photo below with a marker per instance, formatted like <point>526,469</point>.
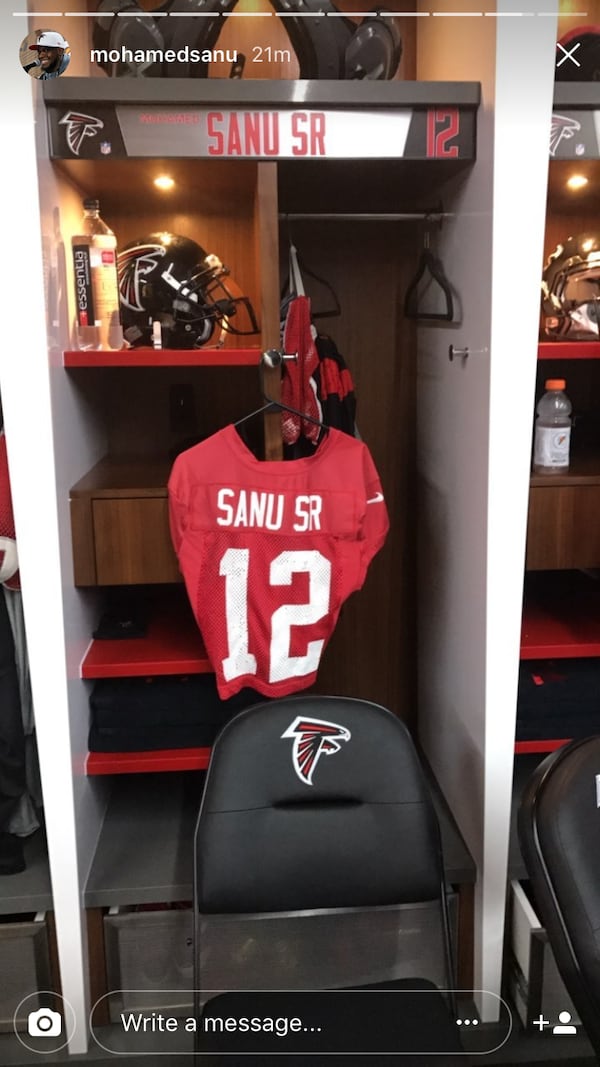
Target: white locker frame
<point>50,447</point>
<point>474,456</point>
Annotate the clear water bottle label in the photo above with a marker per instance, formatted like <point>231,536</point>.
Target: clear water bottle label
<point>83,285</point>
<point>552,446</point>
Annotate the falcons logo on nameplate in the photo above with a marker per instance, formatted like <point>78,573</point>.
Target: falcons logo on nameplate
<point>79,126</point>
<point>133,266</point>
<point>313,738</point>
<point>563,128</point>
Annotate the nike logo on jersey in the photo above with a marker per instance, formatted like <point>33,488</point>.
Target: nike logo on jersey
<point>377,499</point>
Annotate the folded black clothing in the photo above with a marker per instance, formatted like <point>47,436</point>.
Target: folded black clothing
<point>558,727</point>
<point>106,739</point>
<point>558,687</point>
<point>165,701</point>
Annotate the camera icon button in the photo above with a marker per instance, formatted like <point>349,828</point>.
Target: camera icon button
<point>44,1022</point>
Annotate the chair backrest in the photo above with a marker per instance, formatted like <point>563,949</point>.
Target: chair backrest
<point>315,803</point>
<point>559,831</point>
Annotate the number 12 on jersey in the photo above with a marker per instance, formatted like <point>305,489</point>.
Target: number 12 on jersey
<point>235,567</point>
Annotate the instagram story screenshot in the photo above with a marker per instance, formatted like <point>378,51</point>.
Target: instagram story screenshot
<point>300,533</point>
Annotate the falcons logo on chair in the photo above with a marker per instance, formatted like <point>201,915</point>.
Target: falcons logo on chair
<point>79,126</point>
<point>312,739</point>
<point>563,128</point>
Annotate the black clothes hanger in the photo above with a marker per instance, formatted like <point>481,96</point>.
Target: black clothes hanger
<point>429,263</point>
<point>325,313</point>
<point>272,358</point>
<point>290,287</point>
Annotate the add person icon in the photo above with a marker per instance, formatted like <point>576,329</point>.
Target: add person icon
<point>564,1025</point>
<point>45,54</point>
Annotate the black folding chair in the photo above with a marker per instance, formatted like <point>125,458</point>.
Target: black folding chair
<point>318,862</point>
<point>559,831</point>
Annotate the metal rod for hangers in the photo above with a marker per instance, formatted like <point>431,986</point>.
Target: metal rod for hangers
<point>366,216</point>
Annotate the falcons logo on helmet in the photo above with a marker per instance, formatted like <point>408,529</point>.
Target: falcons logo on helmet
<point>133,266</point>
<point>563,129</point>
<point>79,126</point>
<point>313,738</point>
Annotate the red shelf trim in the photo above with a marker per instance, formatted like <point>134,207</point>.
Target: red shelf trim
<point>567,631</point>
<point>569,350</point>
<point>168,759</point>
<point>172,645</point>
<point>165,357</point>
<point>567,649</point>
<point>523,747</point>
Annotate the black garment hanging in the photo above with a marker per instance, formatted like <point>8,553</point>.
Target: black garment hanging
<point>335,388</point>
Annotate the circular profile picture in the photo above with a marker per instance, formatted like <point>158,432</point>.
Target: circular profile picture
<point>45,54</point>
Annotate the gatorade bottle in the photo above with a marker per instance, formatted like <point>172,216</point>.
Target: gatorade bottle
<point>552,429</point>
<point>98,324</point>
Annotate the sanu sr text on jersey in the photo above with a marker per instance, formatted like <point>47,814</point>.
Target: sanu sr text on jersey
<point>271,550</point>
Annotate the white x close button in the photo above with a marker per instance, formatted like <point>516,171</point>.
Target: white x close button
<point>568,54</point>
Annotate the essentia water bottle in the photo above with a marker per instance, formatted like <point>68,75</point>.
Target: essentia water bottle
<point>96,286</point>
<point>552,429</point>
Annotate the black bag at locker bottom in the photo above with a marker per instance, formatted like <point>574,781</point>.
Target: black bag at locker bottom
<point>148,714</point>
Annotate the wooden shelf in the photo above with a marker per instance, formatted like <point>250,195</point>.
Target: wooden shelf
<point>561,617</point>
<point>569,350</point>
<point>165,357</point>
<point>172,645</point>
<point>584,469</point>
<point>168,759</point>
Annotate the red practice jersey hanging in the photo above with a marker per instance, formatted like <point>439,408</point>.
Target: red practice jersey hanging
<point>271,550</point>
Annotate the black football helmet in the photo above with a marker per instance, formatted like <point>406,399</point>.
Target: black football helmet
<point>170,279</point>
<point>571,289</point>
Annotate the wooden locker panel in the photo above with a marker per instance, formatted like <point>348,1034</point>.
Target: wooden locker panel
<point>563,530</point>
<point>82,533</point>
<point>133,543</point>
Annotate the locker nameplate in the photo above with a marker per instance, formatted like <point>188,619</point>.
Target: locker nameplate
<point>120,131</point>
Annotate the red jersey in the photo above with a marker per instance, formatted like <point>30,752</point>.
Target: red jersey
<point>270,551</point>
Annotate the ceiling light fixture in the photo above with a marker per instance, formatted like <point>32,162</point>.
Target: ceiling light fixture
<point>164,182</point>
<point>577,181</point>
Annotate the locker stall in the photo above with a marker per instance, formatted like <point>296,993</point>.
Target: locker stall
<point>434,633</point>
<point>559,640</point>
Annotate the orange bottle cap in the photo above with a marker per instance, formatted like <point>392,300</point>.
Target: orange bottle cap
<point>555,383</point>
